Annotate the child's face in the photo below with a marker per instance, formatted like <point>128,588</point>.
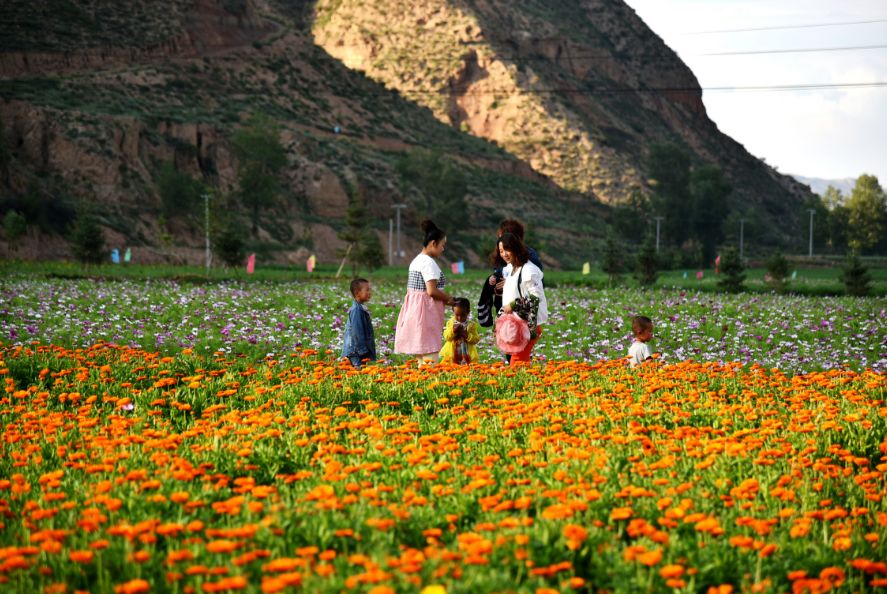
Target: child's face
<point>363,293</point>
<point>460,314</point>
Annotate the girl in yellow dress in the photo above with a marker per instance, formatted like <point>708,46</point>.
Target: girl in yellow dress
<point>460,336</point>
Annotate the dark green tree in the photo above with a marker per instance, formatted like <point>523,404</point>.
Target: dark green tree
<point>88,239</point>
<point>180,194</point>
<point>14,228</point>
<point>261,157</point>
<point>647,263</point>
<point>612,262</point>
<point>442,184</point>
<point>732,276</point>
<point>228,243</point>
<point>363,247</point>
<point>867,208</point>
<point>855,276</point>
<point>668,170</point>
<point>777,271</point>
<point>836,218</point>
<point>709,190</point>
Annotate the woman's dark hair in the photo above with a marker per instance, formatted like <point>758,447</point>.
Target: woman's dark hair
<point>512,226</point>
<point>431,231</point>
<point>463,304</point>
<point>512,243</point>
<point>507,226</point>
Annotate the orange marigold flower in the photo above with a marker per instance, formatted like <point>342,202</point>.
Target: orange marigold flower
<point>834,575</point>
<point>650,558</point>
<point>81,556</point>
<point>621,513</point>
<point>671,571</point>
<point>133,587</point>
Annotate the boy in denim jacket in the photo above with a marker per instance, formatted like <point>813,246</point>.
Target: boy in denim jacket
<point>360,342</point>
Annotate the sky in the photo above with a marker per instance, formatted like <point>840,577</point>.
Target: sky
<point>833,133</point>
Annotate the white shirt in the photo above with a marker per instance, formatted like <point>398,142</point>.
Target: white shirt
<point>530,284</point>
<point>426,266</point>
<point>638,353</point>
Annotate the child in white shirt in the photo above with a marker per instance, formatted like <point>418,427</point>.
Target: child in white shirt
<point>640,351</point>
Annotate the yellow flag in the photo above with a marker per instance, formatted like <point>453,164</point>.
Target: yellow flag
<point>586,268</point>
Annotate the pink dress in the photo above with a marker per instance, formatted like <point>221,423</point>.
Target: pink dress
<point>421,321</point>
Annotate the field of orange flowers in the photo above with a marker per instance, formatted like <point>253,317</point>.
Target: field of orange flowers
<point>128,471</point>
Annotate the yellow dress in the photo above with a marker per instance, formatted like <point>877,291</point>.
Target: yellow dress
<point>448,352</point>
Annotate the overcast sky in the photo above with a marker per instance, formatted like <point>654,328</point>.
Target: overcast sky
<point>828,133</point>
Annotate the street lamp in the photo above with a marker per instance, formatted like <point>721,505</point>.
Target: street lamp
<point>812,212</point>
<point>398,208</point>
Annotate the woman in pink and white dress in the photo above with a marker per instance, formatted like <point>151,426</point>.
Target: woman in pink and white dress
<point>421,321</point>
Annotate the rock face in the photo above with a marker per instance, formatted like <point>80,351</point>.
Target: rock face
<point>576,89</point>
<point>547,106</point>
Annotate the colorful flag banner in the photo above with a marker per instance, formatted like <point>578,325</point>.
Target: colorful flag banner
<point>251,264</point>
<point>685,274</point>
<point>586,268</point>
<point>699,275</point>
<point>115,256</point>
<point>127,256</point>
<point>718,264</point>
<point>454,267</point>
<point>461,267</point>
<point>794,274</point>
<point>310,263</point>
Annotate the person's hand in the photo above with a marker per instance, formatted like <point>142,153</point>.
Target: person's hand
<point>500,286</point>
<point>507,308</point>
<point>492,279</point>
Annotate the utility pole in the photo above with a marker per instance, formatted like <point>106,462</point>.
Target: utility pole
<point>658,220</point>
<point>398,208</point>
<point>390,242</point>
<point>741,237</point>
<point>209,255</point>
<point>812,212</point>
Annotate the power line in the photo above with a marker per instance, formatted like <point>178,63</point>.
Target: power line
<point>796,51</point>
<point>784,27</point>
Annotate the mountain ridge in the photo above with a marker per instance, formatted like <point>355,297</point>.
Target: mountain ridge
<point>96,131</point>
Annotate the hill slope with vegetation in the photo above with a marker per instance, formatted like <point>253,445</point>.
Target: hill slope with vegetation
<point>134,115</point>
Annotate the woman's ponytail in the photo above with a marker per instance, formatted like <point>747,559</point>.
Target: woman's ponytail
<point>431,231</point>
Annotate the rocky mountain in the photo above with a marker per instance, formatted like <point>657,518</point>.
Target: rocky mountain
<point>819,185</point>
<point>546,108</point>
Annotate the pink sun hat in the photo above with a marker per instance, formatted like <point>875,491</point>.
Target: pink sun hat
<point>512,333</point>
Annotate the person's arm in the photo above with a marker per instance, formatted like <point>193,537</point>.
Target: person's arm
<point>449,331</point>
<point>472,334</point>
<point>437,294</point>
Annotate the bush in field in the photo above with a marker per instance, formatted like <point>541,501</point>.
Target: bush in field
<point>647,264</point>
<point>855,276</point>
<point>732,275</point>
<point>363,245</point>
<point>777,271</point>
<point>180,193</point>
<point>229,245</point>
<point>612,262</point>
<point>14,228</point>
<point>88,240</point>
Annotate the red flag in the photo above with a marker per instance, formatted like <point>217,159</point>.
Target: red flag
<point>455,267</point>
<point>251,264</point>
<point>718,264</point>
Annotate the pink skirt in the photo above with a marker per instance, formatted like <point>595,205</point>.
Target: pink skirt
<point>420,325</point>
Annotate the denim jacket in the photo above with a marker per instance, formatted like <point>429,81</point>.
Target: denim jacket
<point>359,338</point>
